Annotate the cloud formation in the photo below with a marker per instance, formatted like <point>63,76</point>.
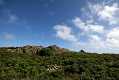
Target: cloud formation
<point>88,27</point>
<point>107,13</point>
<point>100,28</point>
<point>64,32</point>
<point>113,38</point>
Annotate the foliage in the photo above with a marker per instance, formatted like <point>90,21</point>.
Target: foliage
<point>46,52</point>
<point>45,65</point>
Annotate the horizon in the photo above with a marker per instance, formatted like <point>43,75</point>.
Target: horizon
<point>59,47</point>
<point>90,25</point>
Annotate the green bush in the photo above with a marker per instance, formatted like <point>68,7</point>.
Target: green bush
<point>46,52</point>
<point>73,66</point>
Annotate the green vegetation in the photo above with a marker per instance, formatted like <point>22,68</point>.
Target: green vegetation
<point>49,64</point>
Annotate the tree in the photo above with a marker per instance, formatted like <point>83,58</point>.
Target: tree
<point>82,51</point>
<point>46,52</point>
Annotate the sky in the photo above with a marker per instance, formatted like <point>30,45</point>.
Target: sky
<point>91,25</point>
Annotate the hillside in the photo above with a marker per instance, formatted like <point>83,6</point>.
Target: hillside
<point>55,63</point>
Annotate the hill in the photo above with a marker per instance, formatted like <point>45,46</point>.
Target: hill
<point>55,63</point>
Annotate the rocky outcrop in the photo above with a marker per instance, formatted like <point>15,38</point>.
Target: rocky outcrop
<point>25,49</point>
<point>57,49</point>
<point>29,49</point>
<point>32,49</point>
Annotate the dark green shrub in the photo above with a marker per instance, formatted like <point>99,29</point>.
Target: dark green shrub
<point>46,52</point>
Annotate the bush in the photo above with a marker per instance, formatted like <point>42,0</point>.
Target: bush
<point>46,52</point>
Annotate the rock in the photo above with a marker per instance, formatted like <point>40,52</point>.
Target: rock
<point>32,49</point>
<point>57,49</point>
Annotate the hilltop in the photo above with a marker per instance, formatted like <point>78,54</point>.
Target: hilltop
<point>56,63</point>
<point>30,49</point>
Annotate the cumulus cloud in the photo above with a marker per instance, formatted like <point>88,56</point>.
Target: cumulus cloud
<point>95,41</point>
<point>107,13</point>
<point>113,38</point>
<point>99,26</point>
<point>88,27</point>
<point>64,32</point>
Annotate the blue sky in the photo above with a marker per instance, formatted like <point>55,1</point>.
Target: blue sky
<point>75,24</point>
<point>34,19</point>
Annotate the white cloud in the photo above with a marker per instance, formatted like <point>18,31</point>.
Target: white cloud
<point>95,41</point>
<point>106,12</point>
<point>64,32</point>
<point>88,27</point>
<point>99,26</point>
<point>94,8</point>
<point>109,13</point>
<point>113,38</point>
<point>96,28</point>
